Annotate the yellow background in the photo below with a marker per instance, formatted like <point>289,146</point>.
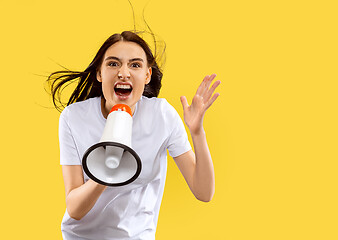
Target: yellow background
<point>273,131</point>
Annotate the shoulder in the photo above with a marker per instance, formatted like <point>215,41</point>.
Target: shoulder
<point>155,106</point>
<point>155,103</point>
<point>81,109</point>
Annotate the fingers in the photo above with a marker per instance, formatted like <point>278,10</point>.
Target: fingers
<point>208,96</point>
<point>211,91</point>
<point>205,93</point>
<point>211,101</point>
<point>184,102</point>
<point>201,88</point>
<point>204,86</point>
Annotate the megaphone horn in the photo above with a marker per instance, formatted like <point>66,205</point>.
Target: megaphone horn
<point>112,161</point>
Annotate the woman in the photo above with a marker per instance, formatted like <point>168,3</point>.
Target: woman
<point>125,71</point>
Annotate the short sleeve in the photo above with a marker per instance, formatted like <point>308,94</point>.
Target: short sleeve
<point>178,142</point>
<point>68,151</point>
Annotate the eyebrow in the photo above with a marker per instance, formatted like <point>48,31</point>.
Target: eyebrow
<point>130,60</point>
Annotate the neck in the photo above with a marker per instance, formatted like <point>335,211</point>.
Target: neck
<point>104,110</point>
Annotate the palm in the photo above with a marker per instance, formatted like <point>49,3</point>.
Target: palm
<point>203,99</point>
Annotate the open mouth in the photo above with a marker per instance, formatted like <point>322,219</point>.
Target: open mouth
<point>123,90</point>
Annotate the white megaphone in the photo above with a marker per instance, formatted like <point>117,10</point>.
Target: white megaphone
<point>112,161</point>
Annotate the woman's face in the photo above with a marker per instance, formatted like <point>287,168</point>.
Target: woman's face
<point>124,72</point>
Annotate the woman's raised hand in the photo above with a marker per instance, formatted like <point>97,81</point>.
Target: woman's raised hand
<point>203,99</point>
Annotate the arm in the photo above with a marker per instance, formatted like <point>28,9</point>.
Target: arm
<point>197,168</point>
<point>80,196</point>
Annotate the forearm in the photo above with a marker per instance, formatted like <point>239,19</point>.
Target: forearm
<point>199,170</point>
<point>81,200</point>
<point>203,176</point>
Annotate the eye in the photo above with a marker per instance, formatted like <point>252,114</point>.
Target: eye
<point>135,65</point>
<point>113,64</point>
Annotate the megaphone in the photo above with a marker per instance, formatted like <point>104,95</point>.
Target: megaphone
<point>112,161</point>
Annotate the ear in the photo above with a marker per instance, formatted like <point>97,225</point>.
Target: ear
<point>98,76</point>
<point>148,75</point>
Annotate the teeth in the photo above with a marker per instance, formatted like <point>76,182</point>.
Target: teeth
<point>123,86</point>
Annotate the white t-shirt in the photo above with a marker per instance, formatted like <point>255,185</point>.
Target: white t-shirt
<point>130,211</point>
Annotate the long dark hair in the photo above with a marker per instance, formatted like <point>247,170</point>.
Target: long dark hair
<point>88,86</point>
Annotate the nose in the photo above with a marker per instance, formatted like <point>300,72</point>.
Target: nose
<point>123,72</point>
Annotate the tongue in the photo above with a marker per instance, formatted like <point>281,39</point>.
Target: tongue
<point>122,92</point>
